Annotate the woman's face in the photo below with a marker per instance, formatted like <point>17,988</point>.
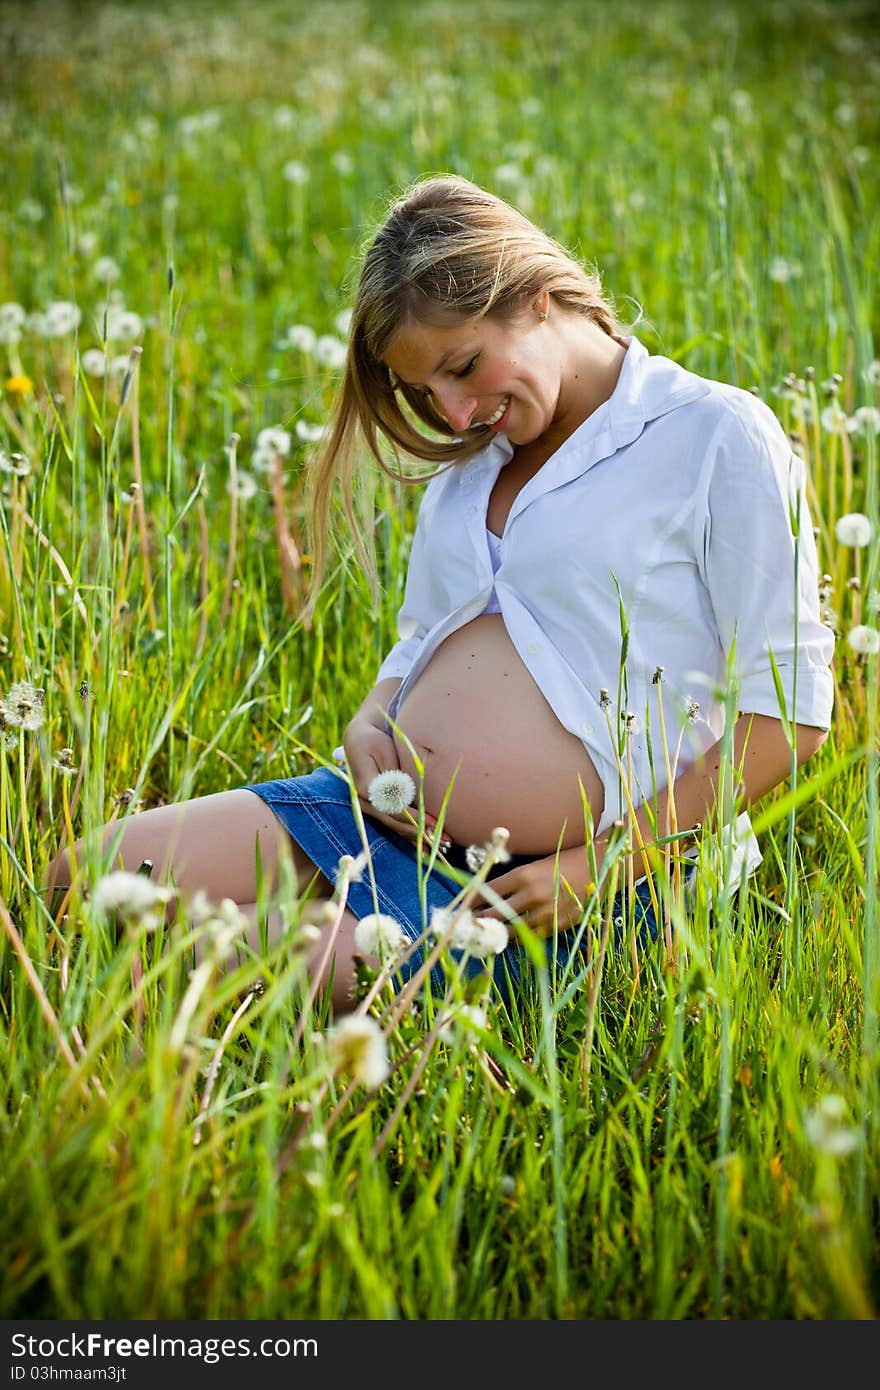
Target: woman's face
<point>498,372</point>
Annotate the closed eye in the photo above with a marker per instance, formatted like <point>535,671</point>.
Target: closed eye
<point>466,371</point>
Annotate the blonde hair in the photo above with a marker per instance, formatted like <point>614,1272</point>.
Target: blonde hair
<point>447,251</point>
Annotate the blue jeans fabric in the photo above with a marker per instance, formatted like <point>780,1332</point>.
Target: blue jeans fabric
<point>316,810</point>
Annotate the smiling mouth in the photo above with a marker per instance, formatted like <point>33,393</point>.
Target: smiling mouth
<point>493,419</point>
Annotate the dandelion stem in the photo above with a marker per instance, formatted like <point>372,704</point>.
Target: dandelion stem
<point>139,508</point>
<point>40,995</point>
<point>233,528</point>
<point>23,812</point>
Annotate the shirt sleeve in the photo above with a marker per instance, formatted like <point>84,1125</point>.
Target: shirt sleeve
<point>418,612</point>
<point>763,582</point>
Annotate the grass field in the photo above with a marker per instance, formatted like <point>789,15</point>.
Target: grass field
<point>185,190</point>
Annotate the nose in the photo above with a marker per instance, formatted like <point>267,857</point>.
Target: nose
<point>457,408</point>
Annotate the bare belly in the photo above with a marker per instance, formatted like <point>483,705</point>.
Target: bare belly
<point>476,704</point>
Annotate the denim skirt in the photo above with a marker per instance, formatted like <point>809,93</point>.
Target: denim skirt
<point>316,810</point>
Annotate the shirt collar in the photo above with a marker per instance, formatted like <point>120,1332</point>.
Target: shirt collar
<point>646,388</point>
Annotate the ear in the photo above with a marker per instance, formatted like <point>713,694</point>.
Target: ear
<point>541,305</point>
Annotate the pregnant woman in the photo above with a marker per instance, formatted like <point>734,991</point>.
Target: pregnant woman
<point>576,479</point>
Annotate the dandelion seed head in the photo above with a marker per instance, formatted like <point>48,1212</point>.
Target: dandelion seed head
<point>356,1045</point>
<point>301,337</point>
<point>462,931</point>
<point>867,419</point>
<point>379,934</point>
<point>24,706</point>
<point>391,791</point>
<point>93,362</point>
<point>350,869</point>
<point>133,897</point>
<point>294,171</point>
<point>864,640</point>
<point>826,1127</point>
<point>64,762</point>
<point>263,460</point>
<point>310,434</point>
<point>244,486</point>
<point>475,857</point>
<point>106,269</point>
<point>12,315</point>
<point>330,351</point>
<point>854,529</point>
<point>275,439</point>
<point>123,324</point>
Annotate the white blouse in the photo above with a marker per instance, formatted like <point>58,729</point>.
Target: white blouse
<point>667,513</point>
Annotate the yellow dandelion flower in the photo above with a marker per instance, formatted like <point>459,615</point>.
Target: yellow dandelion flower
<point>19,385</point>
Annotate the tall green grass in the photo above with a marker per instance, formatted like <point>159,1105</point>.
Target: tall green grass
<point>644,1142</point>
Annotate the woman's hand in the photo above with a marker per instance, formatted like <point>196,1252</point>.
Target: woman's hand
<point>369,751</point>
<point>528,891</point>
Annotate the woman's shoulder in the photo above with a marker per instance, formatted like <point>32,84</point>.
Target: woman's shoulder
<point>734,417</point>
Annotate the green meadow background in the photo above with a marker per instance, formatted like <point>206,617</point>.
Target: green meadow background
<point>687,1138</point>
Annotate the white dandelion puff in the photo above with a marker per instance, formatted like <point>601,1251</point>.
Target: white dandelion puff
<point>283,117</point>
<point>29,210</point>
<point>854,529</point>
<point>295,172</point>
<point>309,434</point>
<point>301,337</point>
<point>93,362</point>
<point>835,419</point>
<point>244,486</point>
<point>12,316</point>
<point>827,1129</point>
<point>867,419</point>
<point>379,934</point>
<point>356,1045</point>
<point>130,896</point>
<point>781,270</point>
<point>123,324</point>
<point>350,869</point>
<point>691,709</point>
<point>276,439</point>
<point>23,706</point>
<point>330,352</point>
<point>61,317</point>
<point>479,936</point>
<point>872,372</point>
<point>106,269</point>
<point>391,791</point>
<point>475,857</point>
<point>342,162</point>
<point>342,322</point>
<point>864,640</point>
<point>64,763</point>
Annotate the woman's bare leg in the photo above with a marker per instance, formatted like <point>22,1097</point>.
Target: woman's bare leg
<point>210,843</point>
<point>341,963</point>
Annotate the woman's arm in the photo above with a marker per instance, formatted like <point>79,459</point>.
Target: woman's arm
<point>761,761</point>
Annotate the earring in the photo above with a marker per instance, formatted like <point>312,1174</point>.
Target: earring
<point>541,316</point>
